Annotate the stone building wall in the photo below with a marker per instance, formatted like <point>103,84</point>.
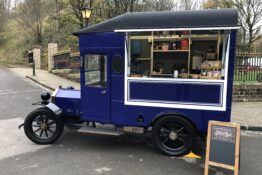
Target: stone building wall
<point>247,92</point>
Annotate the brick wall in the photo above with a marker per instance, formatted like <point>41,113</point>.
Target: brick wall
<point>247,92</point>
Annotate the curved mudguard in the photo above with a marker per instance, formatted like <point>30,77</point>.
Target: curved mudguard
<point>51,106</point>
<point>54,108</point>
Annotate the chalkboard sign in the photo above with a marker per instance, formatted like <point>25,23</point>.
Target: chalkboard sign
<point>223,142</point>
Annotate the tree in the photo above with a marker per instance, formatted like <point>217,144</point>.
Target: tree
<point>29,15</point>
<point>190,4</point>
<point>3,18</point>
<point>215,4</point>
<point>251,15</point>
<point>160,5</point>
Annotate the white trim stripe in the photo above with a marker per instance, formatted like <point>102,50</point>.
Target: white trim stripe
<point>177,29</point>
<point>221,85</point>
<point>226,72</point>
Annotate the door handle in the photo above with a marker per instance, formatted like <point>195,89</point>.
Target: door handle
<point>103,92</point>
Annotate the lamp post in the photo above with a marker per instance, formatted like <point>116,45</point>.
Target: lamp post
<point>86,14</point>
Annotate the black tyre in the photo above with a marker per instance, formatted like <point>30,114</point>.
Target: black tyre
<point>259,78</point>
<point>42,126</point>
<point>173,135</point>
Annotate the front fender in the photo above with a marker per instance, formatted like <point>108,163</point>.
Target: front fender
<point>54,108</point>
<point>51,106</point>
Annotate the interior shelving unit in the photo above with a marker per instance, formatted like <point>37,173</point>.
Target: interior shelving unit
<point>154,37</point>
<point>170,38</point>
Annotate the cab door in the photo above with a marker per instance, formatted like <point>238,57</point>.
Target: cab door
<point>95,81</point>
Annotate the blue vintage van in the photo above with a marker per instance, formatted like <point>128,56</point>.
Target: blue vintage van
<point>167,73</point>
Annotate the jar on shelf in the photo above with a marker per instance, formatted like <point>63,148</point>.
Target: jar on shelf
<point>184,44</point>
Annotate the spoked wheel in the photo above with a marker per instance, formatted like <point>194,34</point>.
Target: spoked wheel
<point>173,135</point>
<point>42,126</point>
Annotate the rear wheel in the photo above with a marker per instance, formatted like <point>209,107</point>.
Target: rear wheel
<point>173,135</point>
<point>259,78</point>
<point>42,126</point>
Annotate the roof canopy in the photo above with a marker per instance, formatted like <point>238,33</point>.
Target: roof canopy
<point>150,21</point>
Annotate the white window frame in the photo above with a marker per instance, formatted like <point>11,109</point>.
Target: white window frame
<point>223,82</point>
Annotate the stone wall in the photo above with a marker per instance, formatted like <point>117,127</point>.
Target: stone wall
<point>247,92</point>
<point>37,56</point>
<point>52,49</point>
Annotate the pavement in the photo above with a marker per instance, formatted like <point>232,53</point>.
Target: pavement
<point>44,78</point>
<point>76,153</point>
<point>247,114</point>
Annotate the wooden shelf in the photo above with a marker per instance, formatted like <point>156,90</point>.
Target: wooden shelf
<point>170,50</point>
<point>144,37</point>
<point>210,78</point>
<point>144,59</point>
<point>210,67</point>
<point>177,37</point>
<point>204,37</point>
<point>161,74</point>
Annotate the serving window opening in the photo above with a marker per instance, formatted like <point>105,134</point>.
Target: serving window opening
<point>177,54</point>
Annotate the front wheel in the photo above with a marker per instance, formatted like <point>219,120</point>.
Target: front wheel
<point>42,126</point>
<point>173,135</point>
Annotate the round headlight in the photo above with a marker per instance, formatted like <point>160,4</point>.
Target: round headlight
<point>45,96</point>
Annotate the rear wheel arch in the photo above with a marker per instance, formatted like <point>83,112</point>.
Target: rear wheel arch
<point>161,115</point>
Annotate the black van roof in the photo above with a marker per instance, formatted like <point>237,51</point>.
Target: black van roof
<point>139,21</point>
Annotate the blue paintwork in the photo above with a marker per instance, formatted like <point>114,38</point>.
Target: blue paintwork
<point>69,101</point>
<point>176,92</point>
<point>110,108</point>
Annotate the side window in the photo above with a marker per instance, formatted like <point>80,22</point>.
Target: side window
<point>118,64</point>
<point>95,70</point>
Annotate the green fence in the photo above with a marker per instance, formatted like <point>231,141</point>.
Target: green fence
<point>248,67</point>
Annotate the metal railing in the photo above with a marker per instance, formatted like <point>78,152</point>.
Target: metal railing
<point>248,67</point>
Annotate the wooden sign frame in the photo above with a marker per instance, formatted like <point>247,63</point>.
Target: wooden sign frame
<point>235,168</point>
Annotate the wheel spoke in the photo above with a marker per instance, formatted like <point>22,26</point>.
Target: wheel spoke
<point>179,130</point>
<point>51,123</point>
<point>50,130</point>
<point>41,132</point>
<point>35,125</point>
<point>42,119</point>
<point>37,120</point>
<point>181,140</point>
<point>46,134</point>
<point>163,128</point>
<point>163,142</point>
<point>37,130</point>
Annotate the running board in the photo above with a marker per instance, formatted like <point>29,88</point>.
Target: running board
<point>100,131</point>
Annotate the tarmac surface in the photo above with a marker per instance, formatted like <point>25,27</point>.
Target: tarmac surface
<point>76,153</point>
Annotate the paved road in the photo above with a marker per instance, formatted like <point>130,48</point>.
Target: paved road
<point>16,95</point>
<point>91,154</point>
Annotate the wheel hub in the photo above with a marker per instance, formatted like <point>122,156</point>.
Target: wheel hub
<point>43,126</point>
<point>173,135</point>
